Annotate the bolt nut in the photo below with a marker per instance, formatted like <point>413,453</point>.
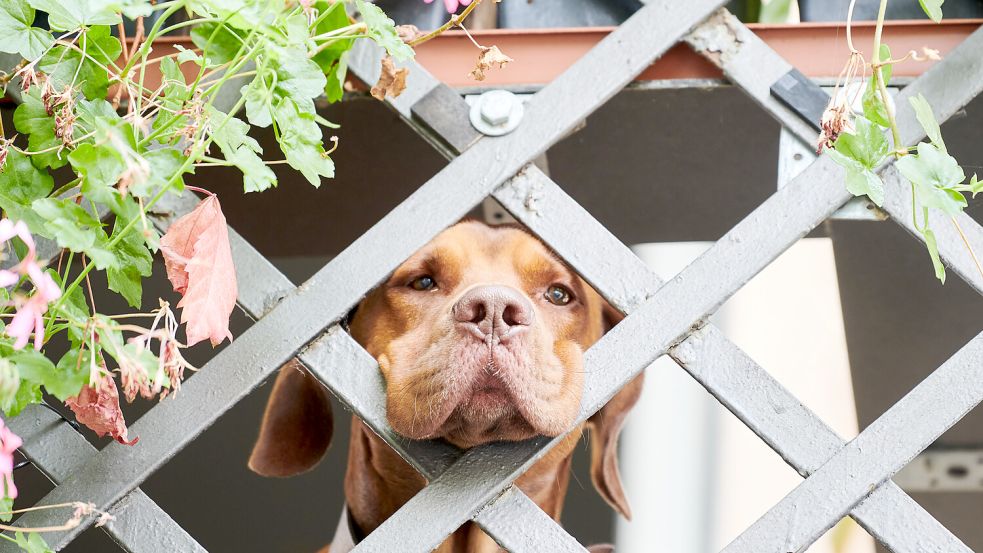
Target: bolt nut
<point>496,108</point>
<point>496,112</point>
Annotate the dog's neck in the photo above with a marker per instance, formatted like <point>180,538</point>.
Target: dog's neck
<point>378,482</point>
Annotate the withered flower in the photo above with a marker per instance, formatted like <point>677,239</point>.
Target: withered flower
<point>4,148</point>
<point>835,121</point>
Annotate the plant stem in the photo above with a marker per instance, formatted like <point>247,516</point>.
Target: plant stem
<point>454,20</point>
<point>65,187</point>
<point>968,246</point>
<point>879,81</point>
<point>188,162</point>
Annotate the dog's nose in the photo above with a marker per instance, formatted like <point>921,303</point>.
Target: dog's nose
<point>494,313</point>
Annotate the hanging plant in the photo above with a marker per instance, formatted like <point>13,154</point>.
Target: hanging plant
<point>857,141</point>
<point>87,105</point>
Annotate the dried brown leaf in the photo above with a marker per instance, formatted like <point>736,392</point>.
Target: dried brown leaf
<point>98,408</point>
<point>408,33</point>
<point>392,81</point>
<point>490,56</point>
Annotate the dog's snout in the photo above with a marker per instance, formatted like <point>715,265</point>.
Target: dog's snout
<point>493,312</point>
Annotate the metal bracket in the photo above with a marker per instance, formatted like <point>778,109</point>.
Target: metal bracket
<point>801,95</point>
<point>442,112</point>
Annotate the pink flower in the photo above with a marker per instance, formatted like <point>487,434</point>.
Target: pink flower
<point>28,318</point>
<point>9,442</point>
<point>452,5</point>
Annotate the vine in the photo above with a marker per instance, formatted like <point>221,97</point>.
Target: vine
<point>857,141</point>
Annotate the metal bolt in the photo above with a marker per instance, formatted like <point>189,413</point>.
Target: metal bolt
<point>496,112</point>
<point>496,106</point>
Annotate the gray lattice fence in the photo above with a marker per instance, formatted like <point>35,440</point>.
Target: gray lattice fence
<point>664,318</point>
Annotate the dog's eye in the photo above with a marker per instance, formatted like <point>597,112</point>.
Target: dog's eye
<point>558,295</point>
<point>423,283</point>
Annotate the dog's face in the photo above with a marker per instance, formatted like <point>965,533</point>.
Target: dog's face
<point>480,337</point>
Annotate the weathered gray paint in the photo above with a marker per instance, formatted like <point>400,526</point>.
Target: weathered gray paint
<point>138,520</point>
<point>875,455</point>
<point>301,316</point>
<point>477,485</point>
<point>743,57</point>
<point>730,375</point>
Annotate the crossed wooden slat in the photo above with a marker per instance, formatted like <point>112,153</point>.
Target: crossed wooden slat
<point>663,318</point>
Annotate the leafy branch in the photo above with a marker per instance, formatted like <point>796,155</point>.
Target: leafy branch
<point>89,107</point>
<point>857,141</point>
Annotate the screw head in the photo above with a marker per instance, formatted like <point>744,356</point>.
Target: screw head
<point>496,107</point>
<point>496,112</point>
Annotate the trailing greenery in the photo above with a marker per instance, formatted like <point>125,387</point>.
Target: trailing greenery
<point>89,105</point>
<point>858,142</point>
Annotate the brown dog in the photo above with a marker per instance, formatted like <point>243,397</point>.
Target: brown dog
<point>480,337</point>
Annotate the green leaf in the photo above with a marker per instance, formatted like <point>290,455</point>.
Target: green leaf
<point>100,168</point>
<point>186,55</point>
<point>335,88</point>
<point>934,175</point>
<point>923,112</point>
<point>134,261</point>
<point>300,140</point>
<point>976,186</point>
<point>776,11</point>
<point>933,252</point>
<point>164,164</point>
<point>62,381</point>
<point>20,184</point>
<point>17,393</point>
<point>31,543</point>
<point>17,36</point>
<point>33,120</point>
<point>860,180</point>
<point>295,77</point>
<point>67,66</point>
<point>867,144</point>
<point>218,42</point>
<point>933,9</point>
<point>6,505</point>
<point>331,59</point>
<point>258,97</point>
<point>74,308</point>
<point>383,31</point>
<point>256,175</point>
<point>299,77</point>
<point>75,228</point>
<point>241,150</point>
<point>68,16</point>
<point>874,108</point>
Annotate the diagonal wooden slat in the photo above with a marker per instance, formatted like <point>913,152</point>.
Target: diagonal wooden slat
<point>44,431</point>
<point>729,374</point>
<point>748,62</point>
<point>299,317</point>
<point>701,288</point>
<point>885,446</point>
<point>523,503</point>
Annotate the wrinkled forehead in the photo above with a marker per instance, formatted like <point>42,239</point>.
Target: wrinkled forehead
<point>488,253</point>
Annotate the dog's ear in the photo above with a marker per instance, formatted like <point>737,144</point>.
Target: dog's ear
<point>605,427</point>
<point>297,425</point>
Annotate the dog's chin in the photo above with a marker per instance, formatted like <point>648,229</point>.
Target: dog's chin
<point>481,394</point>
<point>487,415</point>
